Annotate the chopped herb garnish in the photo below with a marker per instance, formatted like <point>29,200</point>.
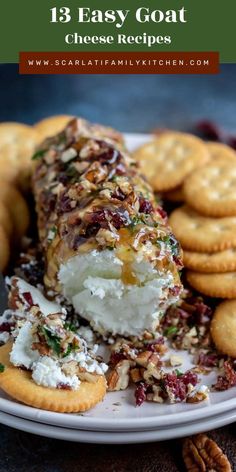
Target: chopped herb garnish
<point>135,221</point>
<point>68,351</point>
<point>61,138</point>
<point>52,341</point>
<point>38,154</point>
<point>178,372</point>
<point>171,330</point>
<point>2,368</point>
<point>70,327</point>
<point>114,178</point>
<point>166,239</point>
<point>71,171</point>
<point>52,233</point>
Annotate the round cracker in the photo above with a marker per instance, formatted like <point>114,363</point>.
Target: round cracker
<point>17,207</point>
<point>6,220</point>
<point>223,261</point>
<point>52,125</point>
<point>176,195</point>
<point>4,249</point>
<point>214,285</point>
<point>221,151</point>
<point>18,384</point>
<point>168,159</point>
<point>200,233</point>
<point>211,189</point>
<point>17,145</point>
<point>223,327</point>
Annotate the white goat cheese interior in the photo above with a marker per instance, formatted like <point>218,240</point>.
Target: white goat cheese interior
<point>93,283</point>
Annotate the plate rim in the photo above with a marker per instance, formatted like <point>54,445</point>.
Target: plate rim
<point>104,437</point>
<point>77,421</point>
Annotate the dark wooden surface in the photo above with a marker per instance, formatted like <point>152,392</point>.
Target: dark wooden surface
<point>28,453</point>
<point>130,103</point>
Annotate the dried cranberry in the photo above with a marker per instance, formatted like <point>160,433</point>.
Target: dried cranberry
<point>184,315</point>
<point>203,313</point>
<point>27,296</point>
<point>178,261</point>
<point>141,393</point>
<point>95,217</point>
<point>64,204</point>
<point>175,290</point>
<point>48,201</point>
<point>63,178</point>
<point>162,213</point>
<point>231,141</point>
<point>6,327</point>
<point>145,206</point>
<point>224,382</point>
<point>178,385</point>
<point>208,360</point>
<point>118,218</point>
<point>119,195</point>
<point>209,130</point>
<point>116,357</point>
<point>189,378</point>
<point>63,386</point>
<point>108,155</point>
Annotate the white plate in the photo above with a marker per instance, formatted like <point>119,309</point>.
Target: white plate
<point>96,437</point>
<point>117,412</point>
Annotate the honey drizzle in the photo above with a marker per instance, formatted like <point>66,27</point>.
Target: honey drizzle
<point>126,254</point>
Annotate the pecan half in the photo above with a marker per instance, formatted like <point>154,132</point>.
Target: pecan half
<point>201,454</point>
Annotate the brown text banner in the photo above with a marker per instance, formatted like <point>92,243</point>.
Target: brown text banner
<point>119,62</point>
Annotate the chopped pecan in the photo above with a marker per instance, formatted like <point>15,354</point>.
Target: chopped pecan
<point>156,395</point>
<point>88,377</point>
<point>151,372</point>
<point>197,397</point>
<point>42,348</point>
<point>143,358</point>
<point>118,378</point>
<point>201,453</point>
<point>136,375</point>
<point>175,360</point>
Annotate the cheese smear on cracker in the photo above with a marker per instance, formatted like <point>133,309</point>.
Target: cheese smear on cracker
<point>55,352</point>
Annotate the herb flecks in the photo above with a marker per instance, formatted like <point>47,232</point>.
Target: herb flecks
<point>171,330</point>
<point>52,340</point>
<point>2,368</point>
<point>178,372</point>
<point>52,233</point>
<point>38,154</point>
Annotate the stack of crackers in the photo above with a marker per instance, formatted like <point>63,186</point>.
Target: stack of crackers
<point>17,146</point>
<point>203,176</point>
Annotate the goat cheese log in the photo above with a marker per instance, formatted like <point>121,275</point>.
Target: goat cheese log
<point>107,246</point>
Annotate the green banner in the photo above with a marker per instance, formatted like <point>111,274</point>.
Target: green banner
<point>124,25</point>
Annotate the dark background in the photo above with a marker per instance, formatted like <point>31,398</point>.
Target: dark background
<point>127,102</point>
